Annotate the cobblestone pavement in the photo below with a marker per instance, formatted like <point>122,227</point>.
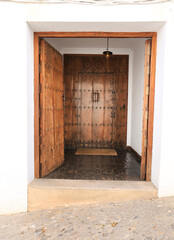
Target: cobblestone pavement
<point>134,220</point>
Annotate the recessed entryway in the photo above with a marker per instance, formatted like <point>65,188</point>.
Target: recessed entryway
<point>44,193</point>
<point>79,110</point>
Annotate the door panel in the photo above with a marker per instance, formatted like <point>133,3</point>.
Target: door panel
<point>109,111</point>
<point>51,109</point>
<point>96,100</point>
<point>85,110</point>
<point>98,107</point>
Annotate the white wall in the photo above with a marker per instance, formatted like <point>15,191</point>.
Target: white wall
<point>161,41</point>
<point>137,95</point>
<point>30,105</point>
<point>14,76</point>
<point>166,166</point>
<point>13,105</point>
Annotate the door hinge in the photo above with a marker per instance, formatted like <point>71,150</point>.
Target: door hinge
<point>146,114</point>
<point>147,90</point>
<point>145,143</point>
<point>149,50</point>
<point>148,70</point>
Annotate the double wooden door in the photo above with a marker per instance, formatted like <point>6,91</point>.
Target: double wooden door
<point>96,92</point>
<point>96,109</point>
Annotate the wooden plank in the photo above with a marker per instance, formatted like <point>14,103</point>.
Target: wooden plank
<point>85,80</point>
<point>97,34</point>
<point>151,107</point>
<point>98,120</point>
<point>145,108</point>
<point>36,106</point>
<point>121,86</point>
<point>108,104</point>
<point>52,110</point>
<point>93,151</point>
<point>74,102</point>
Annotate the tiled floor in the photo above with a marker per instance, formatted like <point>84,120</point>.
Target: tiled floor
<point>124,166</point>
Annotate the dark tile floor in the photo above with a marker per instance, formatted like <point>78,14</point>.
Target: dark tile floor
<point>124,166</point>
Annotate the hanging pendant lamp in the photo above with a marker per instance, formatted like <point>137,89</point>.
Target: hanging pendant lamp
<point>107,53</point>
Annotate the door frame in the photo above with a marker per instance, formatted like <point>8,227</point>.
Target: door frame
<point>152,35</point>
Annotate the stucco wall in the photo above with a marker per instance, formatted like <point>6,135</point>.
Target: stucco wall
<point>16,102</point>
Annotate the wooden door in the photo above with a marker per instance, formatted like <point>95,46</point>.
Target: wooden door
<point>51,109</point>
<point>96,106</point>
<point>96,92</point>
<point>145,108</point>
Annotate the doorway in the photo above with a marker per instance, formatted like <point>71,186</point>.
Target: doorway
<point>89,114</point>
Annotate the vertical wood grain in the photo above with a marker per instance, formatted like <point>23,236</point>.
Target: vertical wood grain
<point>52,109</point>
<point>151,107</point>
<point>145,108</point>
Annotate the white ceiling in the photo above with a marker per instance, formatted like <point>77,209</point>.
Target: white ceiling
<point>94,45</point>
<point>92,42</point>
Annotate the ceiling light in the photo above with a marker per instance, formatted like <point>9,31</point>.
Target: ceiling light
<point>107,53</point>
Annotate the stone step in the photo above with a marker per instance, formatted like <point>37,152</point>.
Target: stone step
<point>51,193</point>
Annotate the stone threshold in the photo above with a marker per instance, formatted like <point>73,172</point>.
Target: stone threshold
<point>52,193</point>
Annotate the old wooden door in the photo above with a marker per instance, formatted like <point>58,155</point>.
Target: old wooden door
<point>96,109</point>
<point>96,91</point>
<point>51,109</point>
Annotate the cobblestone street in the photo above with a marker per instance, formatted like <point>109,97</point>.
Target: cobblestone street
<point>135,220</point>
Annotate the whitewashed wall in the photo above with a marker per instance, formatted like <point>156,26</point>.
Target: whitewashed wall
<point>13,105</point>
<point>30,105</point>
<point>162,171</point>
<point>137,95</point>
<point>16,91</point>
